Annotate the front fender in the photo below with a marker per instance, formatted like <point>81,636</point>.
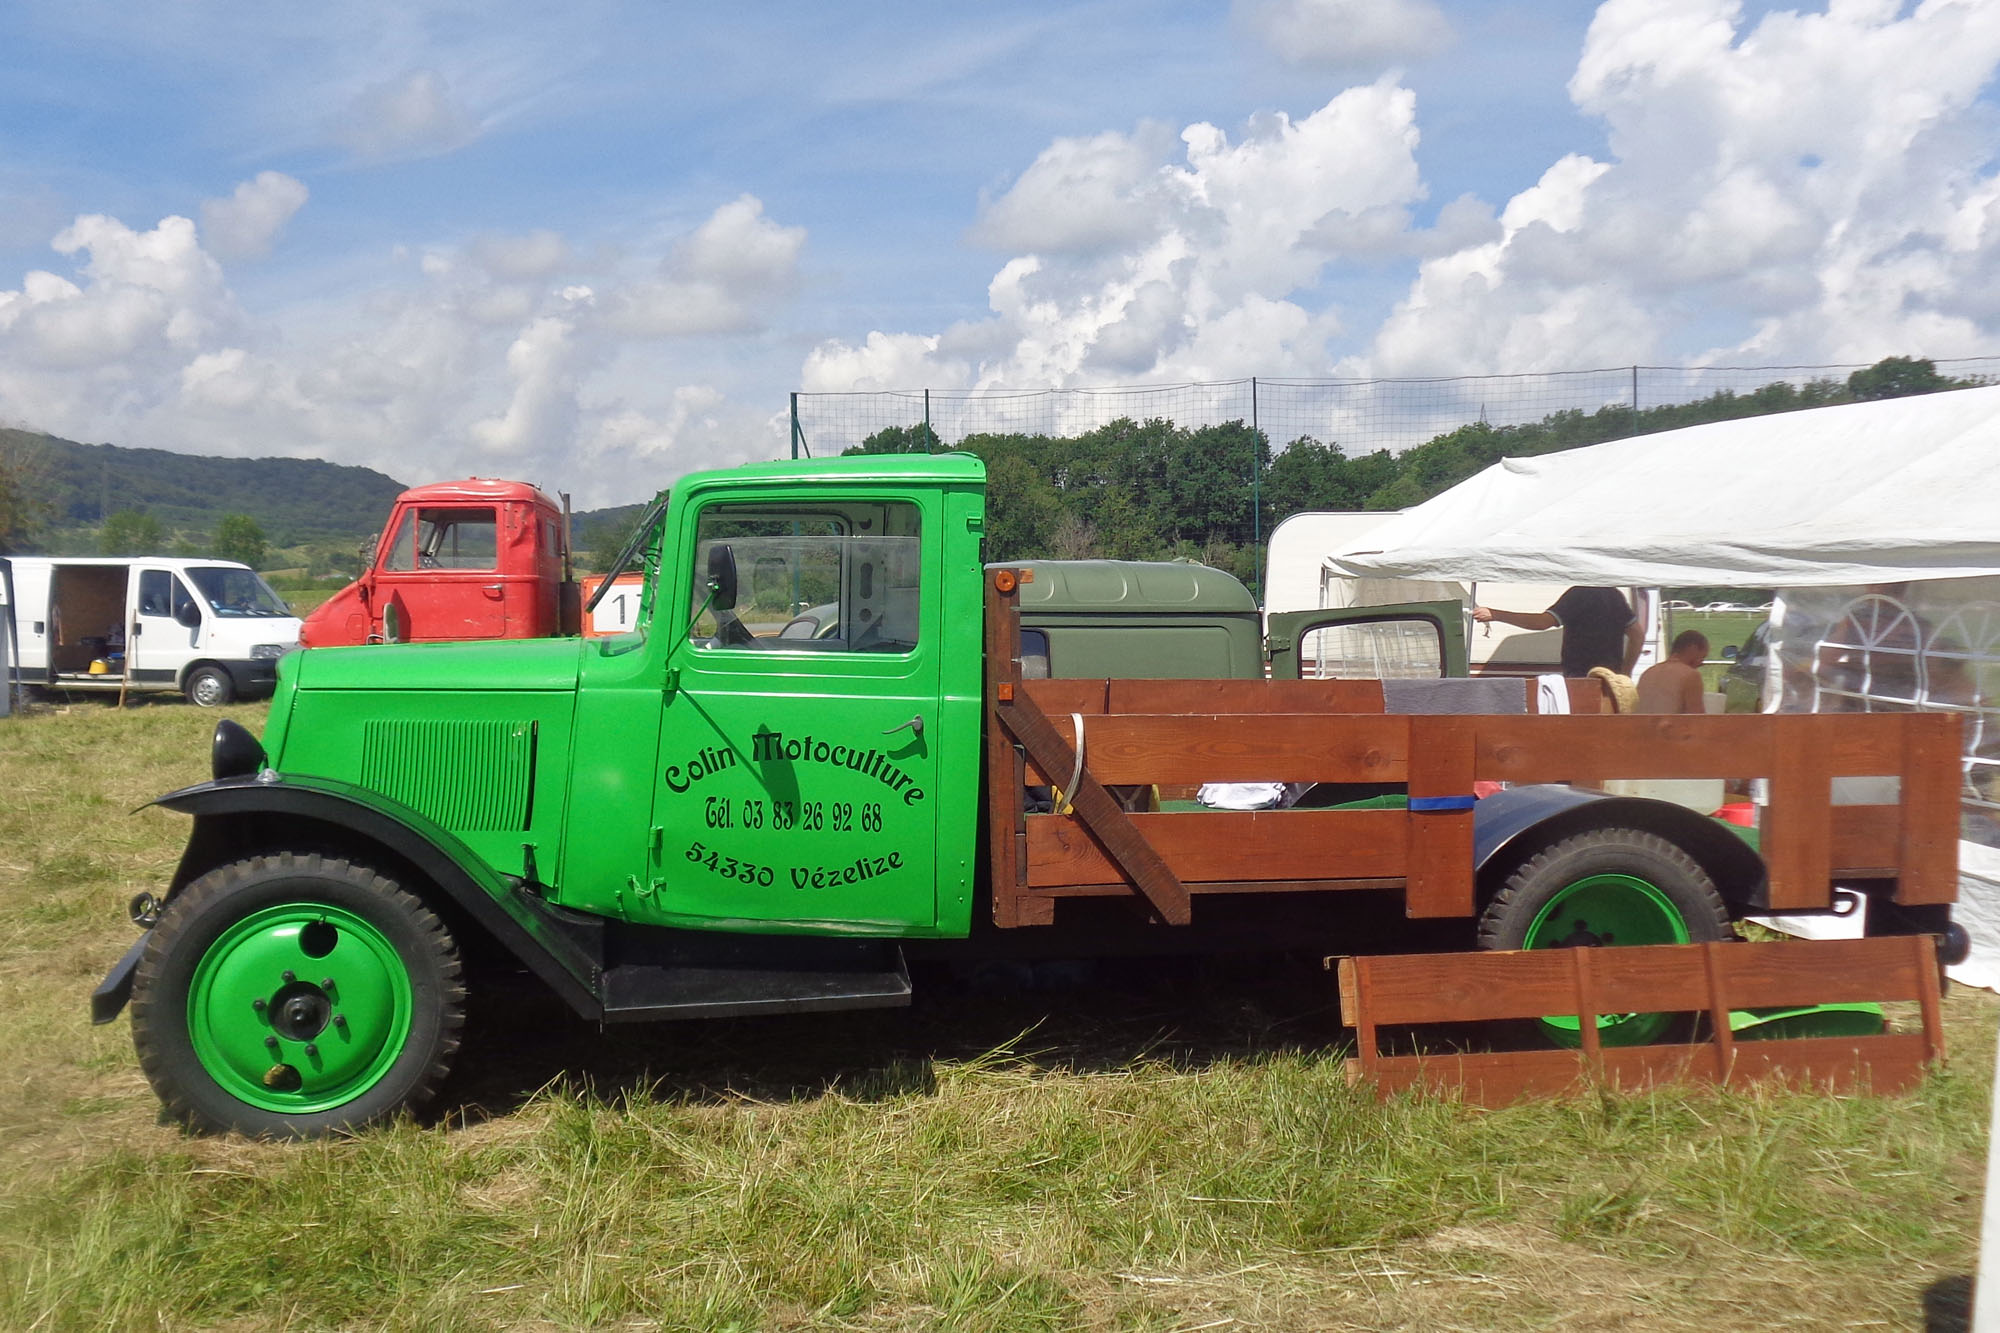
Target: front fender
<point>242,816</point>
<point>1512,825</point>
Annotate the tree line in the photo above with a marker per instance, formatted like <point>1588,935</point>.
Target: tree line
<point>1151,490</point>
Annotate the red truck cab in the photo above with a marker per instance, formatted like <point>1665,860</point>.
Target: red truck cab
<point>472,559</point>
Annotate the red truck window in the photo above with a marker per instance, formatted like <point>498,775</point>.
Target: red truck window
<point>445,539</point>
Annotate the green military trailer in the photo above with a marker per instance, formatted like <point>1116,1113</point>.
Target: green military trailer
<point>719,813</point>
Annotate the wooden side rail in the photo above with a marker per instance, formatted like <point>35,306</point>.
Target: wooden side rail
<point>1414,990</point>
<point>1175,733</point>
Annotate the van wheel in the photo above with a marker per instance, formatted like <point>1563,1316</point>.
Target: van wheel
<point>209,686</point>
<point>292,996</point>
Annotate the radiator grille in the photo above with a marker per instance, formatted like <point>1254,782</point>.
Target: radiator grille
<point>468,776</point>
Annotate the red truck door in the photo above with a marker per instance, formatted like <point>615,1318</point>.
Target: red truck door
<point>441,570</point>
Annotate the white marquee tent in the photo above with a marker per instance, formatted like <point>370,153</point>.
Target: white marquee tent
<point>1883,514</point>
<point>1907,488</point>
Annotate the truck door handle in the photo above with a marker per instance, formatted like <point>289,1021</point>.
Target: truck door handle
<point>494,589</point>
<point>915,724</point>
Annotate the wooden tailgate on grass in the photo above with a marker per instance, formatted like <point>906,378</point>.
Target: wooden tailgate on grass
<point>1410,990</point>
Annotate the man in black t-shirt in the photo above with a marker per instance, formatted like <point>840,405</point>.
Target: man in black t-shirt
<point>1599,628</point>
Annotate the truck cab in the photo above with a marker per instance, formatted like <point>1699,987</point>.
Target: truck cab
<point>458,560</point>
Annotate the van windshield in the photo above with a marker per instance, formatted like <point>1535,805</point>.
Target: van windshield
<point>236,592</point>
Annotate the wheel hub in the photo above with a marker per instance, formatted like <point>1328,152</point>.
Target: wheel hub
<point>300,1011</point>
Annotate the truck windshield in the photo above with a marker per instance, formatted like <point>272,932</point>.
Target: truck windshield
<point>236,592</point>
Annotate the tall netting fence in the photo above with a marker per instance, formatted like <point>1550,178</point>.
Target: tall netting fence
<point>1359,415</point>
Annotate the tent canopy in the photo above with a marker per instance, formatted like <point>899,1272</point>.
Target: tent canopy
<point>1878,492</point>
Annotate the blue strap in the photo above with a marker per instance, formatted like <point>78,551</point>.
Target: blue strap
<point>1442,802</point>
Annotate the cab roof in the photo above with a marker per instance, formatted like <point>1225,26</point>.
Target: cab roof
<point>488,489</point>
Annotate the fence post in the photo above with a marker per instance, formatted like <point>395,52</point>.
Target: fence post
<point>929,434</point>
<point>1635,400</point>
<point>1256,498</point>
<point>798,436</point>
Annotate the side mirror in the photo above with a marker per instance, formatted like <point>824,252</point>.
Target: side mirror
<point>187,615</point>
<point>1729,653</point>
<point>722,576</point>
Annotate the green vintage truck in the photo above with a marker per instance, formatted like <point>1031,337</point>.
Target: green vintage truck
<point>713,816</point>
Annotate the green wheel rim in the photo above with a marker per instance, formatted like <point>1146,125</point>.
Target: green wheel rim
<point>1599,911</point>
<point>300,1008</point>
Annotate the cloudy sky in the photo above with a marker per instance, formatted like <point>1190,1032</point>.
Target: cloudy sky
<point>594,245</point>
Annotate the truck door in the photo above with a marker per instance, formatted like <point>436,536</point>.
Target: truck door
<point>797,776</point>
<point>1422,640</point>
<point>440,570</point>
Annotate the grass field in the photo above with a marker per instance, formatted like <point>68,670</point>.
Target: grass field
<point>1158,1147</point>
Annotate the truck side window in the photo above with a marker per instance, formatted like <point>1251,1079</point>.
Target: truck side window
<point>1374,649</point>
<point>813,580</point>
<point>446,539</point>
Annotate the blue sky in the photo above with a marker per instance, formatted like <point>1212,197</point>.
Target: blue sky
<point>594,245</point>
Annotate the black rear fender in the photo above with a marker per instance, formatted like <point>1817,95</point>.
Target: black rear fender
<point>1512,825</point>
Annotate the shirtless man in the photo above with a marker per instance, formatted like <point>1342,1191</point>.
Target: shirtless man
<point>1674,685</point>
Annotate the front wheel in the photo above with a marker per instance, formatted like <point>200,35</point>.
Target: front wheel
<point>1605,888</point>
<point>289,996</point>
<point>209,686</point>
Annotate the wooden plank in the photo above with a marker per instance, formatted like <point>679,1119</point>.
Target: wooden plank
<point>1110,828</point>
<point>1229,845</point>
<point>1414,989</point>
<point>1246,696</point>
<point>1440,841</point>
<point>1930,796</point>
<point>1466,987</point>
<point>1884,1065</point>
<point>1593,749</point>
<point>1057,697</point>
<point>1198,887</point>
<point>1795,831</point>
<point>1866,841</point>
<point>1278,747</point>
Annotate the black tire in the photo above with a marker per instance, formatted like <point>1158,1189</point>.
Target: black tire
<point>1591,888</point>
<point>397,936</point>
<point>209,687</point>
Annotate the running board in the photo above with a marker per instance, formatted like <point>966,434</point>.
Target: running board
<point>862,974</point>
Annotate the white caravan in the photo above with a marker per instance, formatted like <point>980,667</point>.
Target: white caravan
<point>1298,580</point>
<point>211,629</point>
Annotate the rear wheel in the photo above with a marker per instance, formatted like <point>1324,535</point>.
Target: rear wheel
<point>288,996</point>
<point>1606,888</point>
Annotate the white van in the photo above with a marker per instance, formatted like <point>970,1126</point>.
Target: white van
<point>211,629</point>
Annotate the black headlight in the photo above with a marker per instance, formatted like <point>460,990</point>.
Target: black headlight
<point>235,753</point>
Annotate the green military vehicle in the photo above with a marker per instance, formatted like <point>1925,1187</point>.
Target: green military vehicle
<point>698,819</point>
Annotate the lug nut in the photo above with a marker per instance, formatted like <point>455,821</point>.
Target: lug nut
<point>291,975</point>
<point>311,1049</point>
<point>258,1005</point>
<point>326,983</point>
<point>340,1020</point>
<point>272,1042</point>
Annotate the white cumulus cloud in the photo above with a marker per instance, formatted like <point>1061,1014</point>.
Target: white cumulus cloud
<point>1815,187</point>
<point>413,115</point>
<point>1197,256</point>
<point>1350,35</point>
<point>243,225</point>
<point>730,276</point>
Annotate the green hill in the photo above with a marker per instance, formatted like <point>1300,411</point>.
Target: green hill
<point>297,501</point>
<point>313,513</point>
